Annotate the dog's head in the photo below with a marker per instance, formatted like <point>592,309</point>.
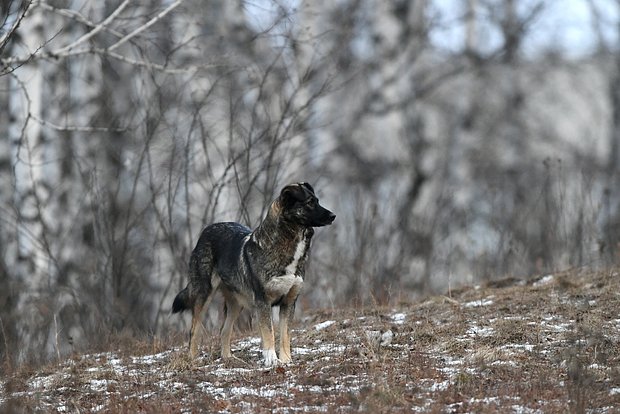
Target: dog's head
<point>300,205</point>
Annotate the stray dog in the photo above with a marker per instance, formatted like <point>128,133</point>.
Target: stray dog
<point>255,269</point>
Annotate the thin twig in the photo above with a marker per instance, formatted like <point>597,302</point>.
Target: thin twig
<point>96,30</point>
<point>78,17</point>
<point>113,55</point>
<point>145,26</point>
<point>75,128</point>
<point>7,36</point>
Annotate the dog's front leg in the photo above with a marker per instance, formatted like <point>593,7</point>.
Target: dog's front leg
<point>266,331</point>
<point>286,314</point>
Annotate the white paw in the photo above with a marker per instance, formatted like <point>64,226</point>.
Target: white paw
<point>270,358</point>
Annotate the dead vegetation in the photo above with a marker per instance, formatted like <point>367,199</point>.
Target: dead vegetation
<point>548,345</point>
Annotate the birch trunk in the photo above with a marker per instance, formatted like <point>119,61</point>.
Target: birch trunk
<point>471,27</point>
<point>28,149</point>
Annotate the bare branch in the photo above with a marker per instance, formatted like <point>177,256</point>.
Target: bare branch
<point>74,127</point>
<point>145,26</point>
<point>5,39</point>
<point>93,32</point>
<point>156,66</point>
<point>70,50</point>
<point>78,17</point>
<point>106,52</point>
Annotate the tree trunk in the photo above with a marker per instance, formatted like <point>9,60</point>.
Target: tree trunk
<point>471,28</point>
<point>28,150</point>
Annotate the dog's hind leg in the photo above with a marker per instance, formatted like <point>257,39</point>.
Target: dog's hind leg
<point>199,305</point>
<point>193,332</point>
<point>233,308</point>
<point>265,326</point>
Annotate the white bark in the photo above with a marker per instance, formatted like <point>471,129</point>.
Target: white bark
<point>28,151</point>
<point>471,26</point>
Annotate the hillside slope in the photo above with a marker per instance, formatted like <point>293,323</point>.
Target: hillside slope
<point>551,345</point>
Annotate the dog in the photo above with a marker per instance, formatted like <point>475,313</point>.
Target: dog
<point>256,269</point>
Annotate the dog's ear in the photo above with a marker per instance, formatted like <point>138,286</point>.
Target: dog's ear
<point>308,186</point>
<point>291,193</point>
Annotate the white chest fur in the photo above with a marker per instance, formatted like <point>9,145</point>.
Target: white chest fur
<point>300,250</point>
<point>282,285</point>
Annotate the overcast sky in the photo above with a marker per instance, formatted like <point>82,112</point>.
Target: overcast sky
<point>563,25</point>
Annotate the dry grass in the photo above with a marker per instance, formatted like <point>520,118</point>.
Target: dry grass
<point>551,345</point>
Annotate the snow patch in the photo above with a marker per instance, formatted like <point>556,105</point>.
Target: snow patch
<point>301,351</point>
<point>478,303</point>
<point>376,338</point>
<point>439,386</point>
<point>231,371</point>
<point>519,409</point>
<point>150,359</point>
<point>398,318</point>
<point>248,343</point>
<point>386,338</point>
<point>323,325</point>
<point>100,385</point>
<point>544,281</point>
<point>42,382</point>
<point>479,331</point>
<point>266,393</point>
<point>526,347</point>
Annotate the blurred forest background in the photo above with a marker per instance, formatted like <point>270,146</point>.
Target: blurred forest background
<point>457,141</point>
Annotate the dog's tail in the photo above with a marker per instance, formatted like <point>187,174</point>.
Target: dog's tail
<point>181,301</point>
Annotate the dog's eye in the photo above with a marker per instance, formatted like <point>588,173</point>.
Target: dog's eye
<point>311,202</point>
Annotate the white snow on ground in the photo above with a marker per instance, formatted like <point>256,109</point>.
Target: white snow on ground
<point>477,331</point>
<point>478,303</point>
<point>323,325</point>
<point>42,382</point>
<point>398,318</point>
<point>544,281</point>
<point>368,337</point>
<point>100,385</point>
<point>525,347</point>
<point>150,359</point>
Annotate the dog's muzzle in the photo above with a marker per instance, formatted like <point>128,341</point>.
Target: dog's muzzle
<point>328,218</point>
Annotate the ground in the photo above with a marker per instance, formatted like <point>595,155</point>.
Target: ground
<point>549,345</point>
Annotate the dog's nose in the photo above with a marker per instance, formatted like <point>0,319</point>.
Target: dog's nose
<point>332,217</point>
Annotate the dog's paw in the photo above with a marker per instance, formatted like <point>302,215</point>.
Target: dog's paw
<point>270,359</point>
